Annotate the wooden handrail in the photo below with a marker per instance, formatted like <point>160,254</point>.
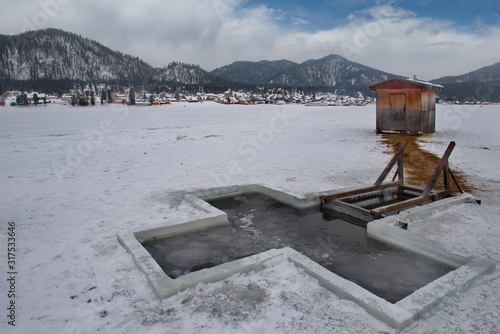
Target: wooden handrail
<point>398,158</point>
<point>456,181</point>
<point>441,167</point>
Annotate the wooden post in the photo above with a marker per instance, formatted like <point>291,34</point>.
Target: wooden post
<point>446,176</point>
<point>401,172</point>
<point>388,168</point>
<point>456,181</point>
<point>440,167</point>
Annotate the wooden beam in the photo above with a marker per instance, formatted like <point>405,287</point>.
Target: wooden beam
<point>401,170</point>
<point>456,181</point>
<point>391,164</point>
<point>349,206</point>
<point>439,169</point>
<point>362,197</point>
<point>395,176</point>
<point>446,176</point>
<point>348,209</point>
<point>358,191</point>
<point>402,205</point>
<point>400,174</point>
<point>412,188</point>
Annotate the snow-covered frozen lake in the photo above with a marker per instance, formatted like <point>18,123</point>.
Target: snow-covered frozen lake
<point>73,177</point>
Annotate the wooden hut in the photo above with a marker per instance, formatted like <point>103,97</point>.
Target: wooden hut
<point>406,106</point>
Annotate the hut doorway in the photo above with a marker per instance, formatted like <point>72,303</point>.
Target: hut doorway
<point>398,111</point>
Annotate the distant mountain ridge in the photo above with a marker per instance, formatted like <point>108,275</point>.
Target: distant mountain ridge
<point>480,85</point>
<point>330,71</point>
<point>52,58</point>
<point>261,72</point>
<point>484,74</point>
<point>53,54</point>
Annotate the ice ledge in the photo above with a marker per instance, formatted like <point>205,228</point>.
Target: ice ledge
<point>397,315</point>
<point>469,267</point>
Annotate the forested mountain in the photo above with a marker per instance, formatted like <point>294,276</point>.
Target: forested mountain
<point>181,73</point>
<point>46,56</point>
<point>331,72</point>
<point>55,54</point>
<point>261,72</point>
<point>55,60</point>
<point>484,74</point>
<point>479,85</point>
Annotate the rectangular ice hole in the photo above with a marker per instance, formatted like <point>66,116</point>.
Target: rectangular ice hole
<point>259,223</point>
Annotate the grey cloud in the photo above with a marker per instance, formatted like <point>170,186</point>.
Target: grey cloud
<point>213,33</point>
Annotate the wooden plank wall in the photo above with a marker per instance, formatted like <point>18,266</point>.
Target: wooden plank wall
<point>419,112</point>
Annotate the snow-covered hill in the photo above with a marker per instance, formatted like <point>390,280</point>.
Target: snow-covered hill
<point>38,59</point>
<point>484,74</point>
<point>55,54</point>
<point>261,72</point>
<point>333,71</point>
<point>479,85</point>
<point>184,73</point>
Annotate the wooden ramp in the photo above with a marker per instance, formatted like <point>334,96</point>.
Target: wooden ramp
<point>381,199</point>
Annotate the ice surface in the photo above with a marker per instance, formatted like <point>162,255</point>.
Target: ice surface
<point>68,209</point>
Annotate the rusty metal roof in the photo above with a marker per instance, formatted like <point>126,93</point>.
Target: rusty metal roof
<point>406,82</point>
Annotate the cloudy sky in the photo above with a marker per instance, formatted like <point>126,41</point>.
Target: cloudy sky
<point>429,38</point>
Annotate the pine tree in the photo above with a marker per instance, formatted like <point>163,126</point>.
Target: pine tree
<point>131,96</point>
<point>92,98</point>
<point>83,100</point>
<point>24,99</point>
<point>74,99</point>
<point>103,96</point>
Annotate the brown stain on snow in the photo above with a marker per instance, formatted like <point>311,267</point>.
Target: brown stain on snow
<point>419,164</point>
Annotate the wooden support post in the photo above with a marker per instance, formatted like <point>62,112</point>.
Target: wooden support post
<point>394,160</point>
<point>456,181</point>
<point>440,167</point>
<point>401,172</point>
<point>394,177</point>
<point>446,176</point>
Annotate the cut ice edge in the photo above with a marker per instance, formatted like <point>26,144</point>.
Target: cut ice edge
<point>398,315</point>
